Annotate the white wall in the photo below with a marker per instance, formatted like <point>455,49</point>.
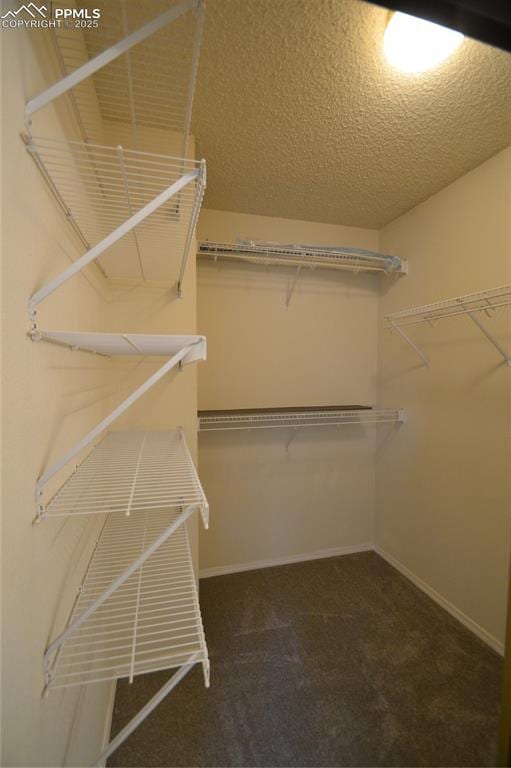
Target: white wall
<point>266,502</point>
<point>443,483</point>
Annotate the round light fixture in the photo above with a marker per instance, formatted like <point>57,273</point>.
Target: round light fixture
<point>415,45</point>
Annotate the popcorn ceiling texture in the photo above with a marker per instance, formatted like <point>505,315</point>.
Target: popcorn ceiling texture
<point>299,115</point>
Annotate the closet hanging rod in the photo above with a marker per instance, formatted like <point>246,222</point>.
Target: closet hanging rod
<point>305,417</point>
<point>109,193</point>
<point>180,349</point>
<point>266,254</point>
<point>105,57</point>
<point>470,305</point>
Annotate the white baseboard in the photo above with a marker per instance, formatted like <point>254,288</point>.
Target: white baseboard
<point>481,633</point>
<point>319,554</point>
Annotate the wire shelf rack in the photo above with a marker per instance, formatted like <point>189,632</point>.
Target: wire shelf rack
<point>210,421</point>
<point>130,472</point>
<point>101,189</point>
<point>151,622</point>
<point>148,57</point>
<point>179,350</point>
<point>483,301</point>
<point>111,344</point>
<point>470,305</point>
<point>267,254</point>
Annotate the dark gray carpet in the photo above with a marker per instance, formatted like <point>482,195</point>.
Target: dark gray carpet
<point>338,662</point>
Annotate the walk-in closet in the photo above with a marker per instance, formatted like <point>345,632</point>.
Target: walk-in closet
<point>256,355</point>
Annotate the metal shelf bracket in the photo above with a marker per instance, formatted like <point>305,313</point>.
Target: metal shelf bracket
<point>491,338</point>
<point>148,708</point>
<point>201,183</point>
<point>292,286</point>
<point>411,343</point>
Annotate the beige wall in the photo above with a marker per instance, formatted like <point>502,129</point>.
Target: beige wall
<point>443,484</point>
<point>155,308</point>
<point>263,354</point>
<point>269,503</point>
<point>51,398</point>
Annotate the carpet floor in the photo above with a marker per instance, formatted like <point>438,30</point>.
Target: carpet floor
<point>337,662</point>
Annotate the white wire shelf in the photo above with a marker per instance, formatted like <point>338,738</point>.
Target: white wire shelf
<point>138,66</point>
<point>483,301</point>
<point>131,472</point>
<point>212,421</point>
<point>179,350</point>
<point>150,622</point>
<point>137,210</point>
<point>113,344</point>
<point>470,305</point>
<point>266,254</point>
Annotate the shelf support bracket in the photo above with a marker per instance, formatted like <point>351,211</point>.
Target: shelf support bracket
<point>199,29</point>
<point>291,438</point>
<point>104,58</point>
<point>411,343</point>
<point>122,164</point>
<point>90,436</point>
<point>292,286</point>
<point>145,711</point>
<point>56,644</point>
<point>491,338</point>
<point>201,182</point>
<point>109,240</point>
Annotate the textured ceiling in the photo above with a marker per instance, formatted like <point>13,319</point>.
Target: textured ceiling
<point>299,115</point>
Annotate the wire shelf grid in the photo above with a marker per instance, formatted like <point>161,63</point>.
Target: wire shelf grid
<point>352,259</point>
<point>151,622</point>
<point>151,85</point>
<point>261,419</point>
<point>100,188</point>
<point>132,472</point>
<point>483,301</point>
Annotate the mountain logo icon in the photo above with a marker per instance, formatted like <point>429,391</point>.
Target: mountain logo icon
<point>32,9</point>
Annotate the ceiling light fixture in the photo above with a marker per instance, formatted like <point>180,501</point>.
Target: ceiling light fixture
<point>415,45</point>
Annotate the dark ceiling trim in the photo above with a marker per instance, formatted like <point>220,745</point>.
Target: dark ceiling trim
<point>486,20</point>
